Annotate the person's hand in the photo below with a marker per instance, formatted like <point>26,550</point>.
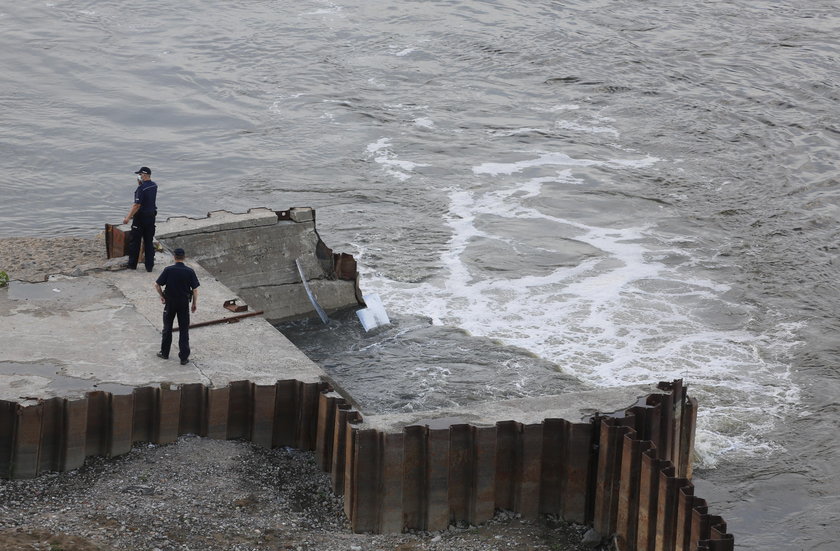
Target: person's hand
<point>163,300</point>
<point>125,220</point>
<point>194,306</point>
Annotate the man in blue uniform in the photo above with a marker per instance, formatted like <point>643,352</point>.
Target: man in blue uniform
<point>142,216</point>
<point>181,286</point>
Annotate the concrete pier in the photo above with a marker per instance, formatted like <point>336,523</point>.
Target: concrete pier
<point>79,377</point>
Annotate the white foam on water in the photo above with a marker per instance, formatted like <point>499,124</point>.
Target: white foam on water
<point>619,318</point>
<point>424,122</point>
<point>381,152</point>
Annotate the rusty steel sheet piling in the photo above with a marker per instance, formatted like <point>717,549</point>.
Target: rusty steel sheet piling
<point>610,472</point>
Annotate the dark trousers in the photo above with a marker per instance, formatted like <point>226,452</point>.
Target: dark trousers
<point>142,228</point>
<point>182,311</point>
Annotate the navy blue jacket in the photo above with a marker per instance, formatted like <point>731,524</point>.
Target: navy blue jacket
<point>178,281</point>
<point>146,196</point>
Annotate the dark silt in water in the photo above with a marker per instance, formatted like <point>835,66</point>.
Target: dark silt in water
<point>545,195</point>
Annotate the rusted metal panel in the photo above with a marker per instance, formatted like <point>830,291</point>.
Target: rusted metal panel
<point>52,434</point>
<point>169,409</point>
<point>75,434</point>
<point>685,508</point>
<point>689,421</point>
<point>577,489</point>
<point>350,483</point>
<point>365,497</point>
<point>308,415</point>
<point>719,539</point>
<point>414,477</point>
<point>287,412</point>
<point>27,442</point>
<point>97,423</point>
<point>667,506</point>
<point>608,480</point>
<point>628,497</point>
<point>529,468</point>
<point>239,409</point>
<point>507,442</point>
<point>145,413</point>
<point>649,499</point>
<point>326,425</point>
<point>262,422</point>
<point>8,422</point>
<point>461,471</point>
<point>218,405</point>
<point>121,412</point>
<point>437,473</point>
<point>116,241</point>
<point>483,500</point>
<point>699,523</point>
<point>345,266</point>
<point>391,499</point>
<point>554,442</point>
<point>339,447</point>
<point>193,409</point>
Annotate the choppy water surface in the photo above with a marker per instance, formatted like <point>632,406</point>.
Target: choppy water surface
<point>546,195</point>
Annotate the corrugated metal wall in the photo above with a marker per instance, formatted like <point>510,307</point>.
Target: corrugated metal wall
<point>628,476</point>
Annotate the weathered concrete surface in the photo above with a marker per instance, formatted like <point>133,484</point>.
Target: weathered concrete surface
<point>574,407</point>
<point>254,255</point>
<point>103,329</point>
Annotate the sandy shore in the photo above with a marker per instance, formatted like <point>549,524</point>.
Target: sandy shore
<point>33,259</point>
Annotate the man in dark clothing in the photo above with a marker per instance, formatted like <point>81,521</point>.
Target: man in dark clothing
<point>181,285</point>
<point>142,215</point>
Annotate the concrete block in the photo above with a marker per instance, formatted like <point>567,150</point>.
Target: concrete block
<point>301,214</point>
<point>262,423</point>
<point>27,442</point>
<point>218,405</point>
<point>121,414</point>
<point>75,434</point>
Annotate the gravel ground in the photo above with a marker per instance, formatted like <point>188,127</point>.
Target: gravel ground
<point>202,494</point>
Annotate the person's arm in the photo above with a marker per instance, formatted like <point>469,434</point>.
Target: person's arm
<point>195,299</point>
<point>131,213</point>
<point>162,296</point>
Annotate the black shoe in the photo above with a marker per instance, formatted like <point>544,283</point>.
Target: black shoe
<point>184,361</point>
<point>162,355</point>
<point>148,269</point>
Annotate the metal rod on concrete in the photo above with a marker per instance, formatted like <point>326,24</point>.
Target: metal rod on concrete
<point>231,319</point>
